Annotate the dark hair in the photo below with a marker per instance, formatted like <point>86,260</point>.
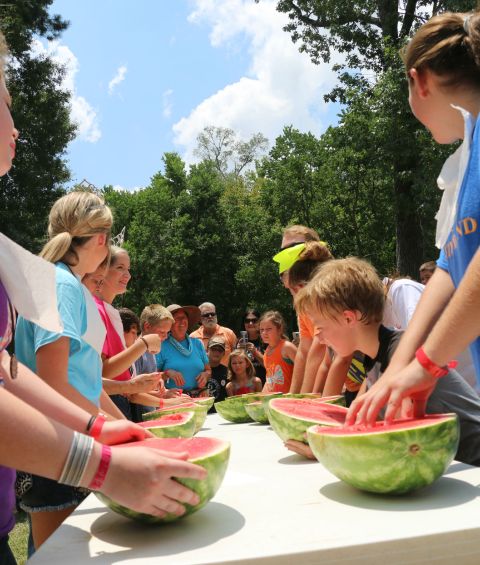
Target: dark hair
<point>314,254</point>
<point>129,319</point>
<point>449,46</point>
<point>249,311</point>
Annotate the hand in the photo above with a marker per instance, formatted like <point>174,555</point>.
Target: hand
<point>172,393</point>
<point>251,347</point>
<point>176,377</point>
<point>202,379</point>
<point>143,479</point>
<point>122,431</point>
<point>154,343</point>
<point>300,448</point>
<point>412,381</point>
<point>145,383</point>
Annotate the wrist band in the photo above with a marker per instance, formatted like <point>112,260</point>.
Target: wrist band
<point>96,426</point>
<point>77,460</point>
<point>160,403</point>
<point>144,341</point>
<point>430,366</point>
<point>102,470</point>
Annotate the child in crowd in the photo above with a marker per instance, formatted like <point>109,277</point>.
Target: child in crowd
<point>426,271</point>
<point>345,299</point>
<point>442,65</point>
<point>241,374</point>
<point>279,357</point>
<point>217,383</point>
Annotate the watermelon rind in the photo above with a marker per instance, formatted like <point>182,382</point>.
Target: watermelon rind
<point>289,425</point>
<point>183,428</point>
<point>387,460</point>
<point>233,409</point>
<point>215,463</point>
<point>205,401</point>
<point>256,412</point>
<point>199,410</point>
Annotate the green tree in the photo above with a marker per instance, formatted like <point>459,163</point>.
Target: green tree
<point>41,114</point>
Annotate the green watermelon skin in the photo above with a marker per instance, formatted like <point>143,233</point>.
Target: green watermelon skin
<point>185,428</point>
<point>256,412</point>
<point>216,466</point>
<point>233,409</point>
<point>199,410</point>
<point>205,401</point>
<point>393,461</point>
<point>289,425</point>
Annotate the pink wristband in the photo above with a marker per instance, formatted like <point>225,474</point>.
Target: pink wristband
<point>430,366</point>
<point>97,425</point>
<point>160,403</point>
<point>102,470</point>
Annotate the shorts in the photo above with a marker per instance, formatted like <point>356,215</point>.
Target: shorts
<point>46,495</point>
<point>123,404</point>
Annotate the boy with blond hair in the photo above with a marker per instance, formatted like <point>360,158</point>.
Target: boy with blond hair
<point>345,300</point>
<point>154,319</point>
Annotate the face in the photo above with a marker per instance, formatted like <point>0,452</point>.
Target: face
<point>336,332</point>
<point>425,276</point>
<point>161,329</point>
<point>94,281</point>
<point>251,323</point>
<point>269,332</point>
<point>8,133</point>
<point>215,355</point>
<point>209,317</point>
<point>118,274</point>
<point>239,365</point>
<point>131,335</point>
<point>180,325</point>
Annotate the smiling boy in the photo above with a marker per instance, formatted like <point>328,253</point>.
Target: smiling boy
<point>345,300</point>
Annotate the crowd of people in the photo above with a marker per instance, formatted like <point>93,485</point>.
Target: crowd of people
<point>81,373</point>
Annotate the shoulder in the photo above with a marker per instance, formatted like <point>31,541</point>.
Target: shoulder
<point>406,286</point>
<point>228,333</point>
<point>288,348</point>
<point>198,333</point>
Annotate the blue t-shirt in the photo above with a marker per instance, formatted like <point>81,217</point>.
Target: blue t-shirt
<point>84,363</point>
<point>189,365</point>
<point>464,239</point>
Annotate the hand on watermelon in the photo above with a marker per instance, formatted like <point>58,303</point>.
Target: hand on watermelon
<point>122,431</point>
<point>390,390</point>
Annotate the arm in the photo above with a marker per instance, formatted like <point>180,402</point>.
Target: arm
<point>229,389</point>
<point>119,363</point>
<point>289,351</point>
<point>300,361</point>
<point>258,384</point>
<point>315,356</point>
<point>337,375</point>
<point>138,384</point>
<point>322,373</point>
<point>203,377</point>
<point>109,408</point>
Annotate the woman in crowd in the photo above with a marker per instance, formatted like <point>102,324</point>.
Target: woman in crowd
<point>255,346</point>
<point>183,358</point>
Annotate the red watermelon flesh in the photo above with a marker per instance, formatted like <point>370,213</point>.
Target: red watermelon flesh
<point>167,420</point>
<point>382,427</point>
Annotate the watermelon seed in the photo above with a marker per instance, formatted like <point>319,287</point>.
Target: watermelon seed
<point>414,449</point>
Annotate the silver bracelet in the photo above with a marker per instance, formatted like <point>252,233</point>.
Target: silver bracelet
<point>77,460</point>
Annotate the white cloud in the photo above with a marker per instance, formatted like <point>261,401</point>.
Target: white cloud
<point>282,87</point>
<point>82,113</point>
<point>117,79</point>
<point>120,188</point>
<point>167,103</point>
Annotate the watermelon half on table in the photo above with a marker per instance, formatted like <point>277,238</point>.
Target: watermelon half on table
<point>200,411</point>
<point>181,424</point>
<point>211,453</point>
<point>290,417</point>
<point>394,459</point>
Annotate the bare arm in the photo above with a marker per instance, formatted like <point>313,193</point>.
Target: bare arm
<point>322,373</point>
<point>337,375</point>
<point>315,356</point>
<point>300,361</point>
<point>114,366</point>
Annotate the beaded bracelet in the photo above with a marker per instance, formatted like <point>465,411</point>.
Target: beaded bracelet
<point>77,460</point>
<point>102,470</point>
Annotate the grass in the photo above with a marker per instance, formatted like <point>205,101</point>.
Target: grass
<point>19,538</point>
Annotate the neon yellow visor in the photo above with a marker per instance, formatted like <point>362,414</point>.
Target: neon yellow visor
<point>287,257</point>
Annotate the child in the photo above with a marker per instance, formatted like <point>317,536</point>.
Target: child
<point>216,384</point>
<point>426,271</point>
<point>241,374</point>
<point>280,354</point>
<point>444,94</point>
<point>346,299</point>
<point>131,325</point>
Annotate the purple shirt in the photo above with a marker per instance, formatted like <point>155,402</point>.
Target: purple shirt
<point>7,475</point>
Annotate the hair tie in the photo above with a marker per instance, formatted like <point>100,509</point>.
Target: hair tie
<point>466,24</point>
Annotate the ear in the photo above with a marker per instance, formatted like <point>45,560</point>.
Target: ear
<point>420,81</point>
<point>101,239</point>
<point>350,317</point>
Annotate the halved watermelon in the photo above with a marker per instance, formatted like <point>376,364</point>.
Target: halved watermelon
<point>199,409</point>
<point>181,424</point>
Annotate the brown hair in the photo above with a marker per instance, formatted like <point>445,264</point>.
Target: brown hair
<point>73,220</point>
<point>344,284</point>
<point>449,46</point>
<point>304,233</point>
<point>129,319</point>
<point>277,320</point>
<point>314,254</point>
<point>429,266</point>
<point>250,368</point>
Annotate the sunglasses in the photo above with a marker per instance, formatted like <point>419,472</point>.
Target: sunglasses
<point>209,315</point>
<point>251,320</point>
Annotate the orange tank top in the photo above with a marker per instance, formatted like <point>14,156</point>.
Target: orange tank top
<point>278,369</point>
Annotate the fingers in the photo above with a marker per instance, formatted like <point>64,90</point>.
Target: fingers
<point>419,407</point>
<point>185,470</point>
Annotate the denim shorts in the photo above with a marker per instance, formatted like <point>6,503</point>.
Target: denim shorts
<point>46,495</point>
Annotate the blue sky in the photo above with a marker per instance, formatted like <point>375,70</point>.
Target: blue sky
<point>146,77</point>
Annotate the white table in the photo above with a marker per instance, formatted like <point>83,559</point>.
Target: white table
<point>277,508</point>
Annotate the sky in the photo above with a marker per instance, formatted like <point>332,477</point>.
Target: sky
<point>146,76</point>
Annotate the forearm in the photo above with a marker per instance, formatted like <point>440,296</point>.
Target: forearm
<point>459,324</point>
<point>336,376</point>
<point>114,366</point>
<point>430,307</point>
<point>146,399</point>
<point>299,366</point>
<point>314,360</point>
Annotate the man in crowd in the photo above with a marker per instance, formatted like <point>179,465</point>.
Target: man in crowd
<point>210,328</point>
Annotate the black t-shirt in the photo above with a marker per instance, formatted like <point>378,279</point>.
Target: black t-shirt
<point>388,343</point>
<point>217,382</point>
